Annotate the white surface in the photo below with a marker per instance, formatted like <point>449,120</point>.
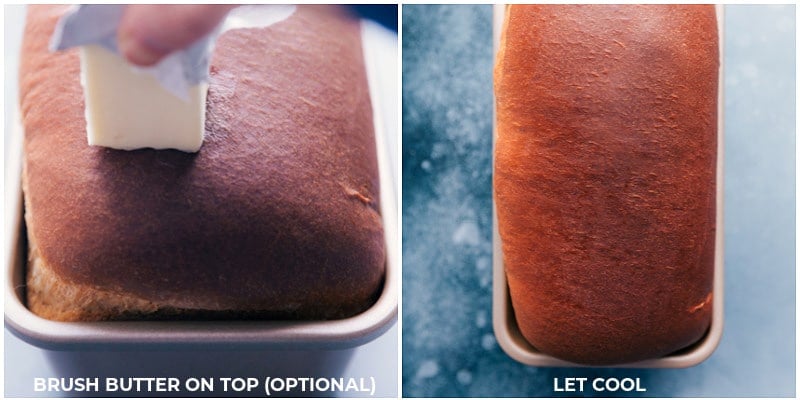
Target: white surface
<point>378,359</point>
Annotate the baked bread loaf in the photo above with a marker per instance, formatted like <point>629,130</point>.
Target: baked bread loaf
<point>605,164</point>
<point>277,216</point>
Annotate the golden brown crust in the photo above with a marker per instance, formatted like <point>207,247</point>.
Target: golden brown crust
<point>605,168</point>
<point>277,213</point>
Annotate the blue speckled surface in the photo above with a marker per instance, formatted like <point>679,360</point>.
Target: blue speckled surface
<point>448,345</point>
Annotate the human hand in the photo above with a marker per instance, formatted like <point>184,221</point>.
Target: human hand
<point>148,33</point>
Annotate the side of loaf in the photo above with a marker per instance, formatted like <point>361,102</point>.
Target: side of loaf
<point>605,166</point>
<point>277,216</point>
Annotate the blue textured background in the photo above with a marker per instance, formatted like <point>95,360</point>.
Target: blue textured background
<point>448,345</point>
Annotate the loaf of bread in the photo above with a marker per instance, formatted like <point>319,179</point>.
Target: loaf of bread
<point>277,216</point>
<point>605,166</point>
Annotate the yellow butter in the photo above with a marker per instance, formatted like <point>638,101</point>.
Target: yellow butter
<point>128,109</point>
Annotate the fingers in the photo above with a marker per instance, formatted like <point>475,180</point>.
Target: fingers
<point>147,33</point>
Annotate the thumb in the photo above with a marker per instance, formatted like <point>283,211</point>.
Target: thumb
<point>149,32</point>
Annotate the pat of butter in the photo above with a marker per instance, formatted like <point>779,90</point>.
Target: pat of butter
<point>128,109</point>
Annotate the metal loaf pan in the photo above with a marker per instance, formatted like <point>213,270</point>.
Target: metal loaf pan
<point>207,335</point>
<point>505,325</point>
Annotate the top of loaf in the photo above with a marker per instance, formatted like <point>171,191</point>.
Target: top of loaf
<point>278,211</point>
<point>605,168</point>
